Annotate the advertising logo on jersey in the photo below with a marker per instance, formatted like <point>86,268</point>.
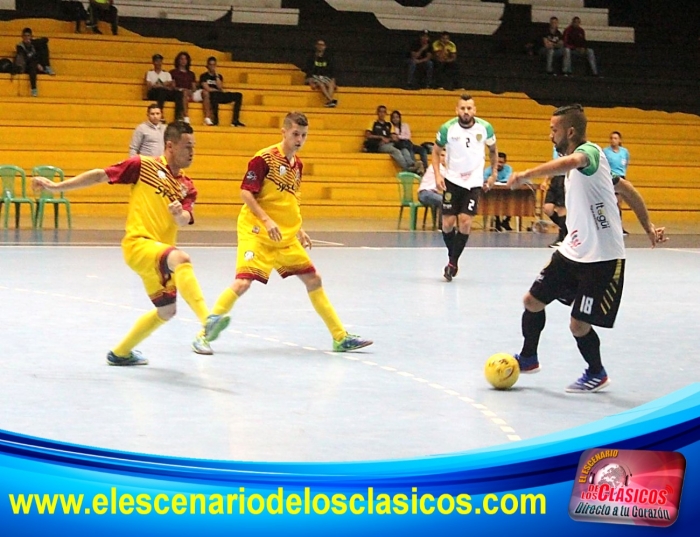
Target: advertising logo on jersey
<point>599,215</point>
<point>641,488</point>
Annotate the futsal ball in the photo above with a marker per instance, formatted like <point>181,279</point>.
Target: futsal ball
<point>502,371</point>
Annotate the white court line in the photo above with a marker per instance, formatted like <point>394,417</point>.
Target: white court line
<point>503,425</point>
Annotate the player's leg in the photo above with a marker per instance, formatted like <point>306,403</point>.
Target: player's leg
<point>554,282</point>
<point>142,256</point>
<point>450,206</point>
<point>597,303</point>
<point>294,260</point>
<point>253,262</point>
<point>468,204</point>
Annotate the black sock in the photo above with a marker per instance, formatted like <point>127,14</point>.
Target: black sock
<point>532,325</point>
<point>561,222</point>
<point>589,345</point>
<point>449,239</point>
<point>460,241</point>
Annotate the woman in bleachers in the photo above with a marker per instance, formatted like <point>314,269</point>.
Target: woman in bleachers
<point>185,80</point>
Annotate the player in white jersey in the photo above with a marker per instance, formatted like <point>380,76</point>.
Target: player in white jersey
<point>465,137</point>
<point>587,272</point>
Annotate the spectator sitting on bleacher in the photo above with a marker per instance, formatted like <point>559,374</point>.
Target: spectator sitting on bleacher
<point>103,10</point>
<point>212,84</point>
<point>160,87</point>
<point>553,43</point>
<point>420,55</point>
<point>504,173</point>
<point>575,43</point>
<point>379,138</point>
<point>445,58</point>
<point>320,73</point>
<point>33,57</point>
<point>404,143</point>
<point>147,139</point>
<point>184,81</point>
<point>428,193</point>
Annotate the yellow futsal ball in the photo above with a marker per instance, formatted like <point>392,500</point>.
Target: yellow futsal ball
<point>502,371</point>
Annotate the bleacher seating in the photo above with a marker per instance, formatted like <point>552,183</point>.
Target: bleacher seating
<point>84,117</point>
<point>242,11</point>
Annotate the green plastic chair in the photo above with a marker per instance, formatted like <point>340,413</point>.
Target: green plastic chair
<point>406,182</point>
<point>52,173</point>
<point>10,195</point>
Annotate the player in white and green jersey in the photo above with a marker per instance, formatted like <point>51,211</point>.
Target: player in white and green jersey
<point>588,270</point>
<point>465,137</point>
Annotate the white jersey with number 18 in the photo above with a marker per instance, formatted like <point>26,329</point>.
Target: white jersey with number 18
<point>465,150</point>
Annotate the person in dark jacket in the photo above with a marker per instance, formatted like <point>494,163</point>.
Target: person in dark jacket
<point>320,73</point>
<point>32,58</point>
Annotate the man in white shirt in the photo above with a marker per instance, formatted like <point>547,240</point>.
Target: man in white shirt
<point>160,87</point>
<point>465,138</point>
<point>587,272</point>
<point>147,139</point>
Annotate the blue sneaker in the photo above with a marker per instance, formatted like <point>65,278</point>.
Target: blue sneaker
<point>215,325</point>
<point>350,343</point>
<point>528,364</point>
<point>589,383</point>
<point>134,358</point>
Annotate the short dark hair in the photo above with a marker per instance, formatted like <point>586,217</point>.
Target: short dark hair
<point>211,59</point>
<point>574,116</point>
<point>444,33</point>
<point>295,117</point>
<point>156,57</point>
<point>466,97</point>
<point>618,133</point>
<point>175,130</point>
<point>381,106</point>
<point>27,30</point>
<point>553,19</point>
<point>502,155</point>
<point>153,106</point>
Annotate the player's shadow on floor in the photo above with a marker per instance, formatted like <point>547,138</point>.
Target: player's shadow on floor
<point>171,378</point>
<point>609,397</point>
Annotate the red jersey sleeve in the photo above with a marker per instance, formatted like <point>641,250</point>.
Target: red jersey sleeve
<point>190,197</point>
<point>254,177</point>
<point>125,172</point>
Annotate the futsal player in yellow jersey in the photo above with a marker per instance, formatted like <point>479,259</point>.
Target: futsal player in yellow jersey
<point>162,198</point>
<point>270,234</point>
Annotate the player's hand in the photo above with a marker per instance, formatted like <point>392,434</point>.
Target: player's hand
<point>273,231</point>
<point>544,185</point>
<point>515,179</point>
<point>657,235</point>
<point>175,208</point>
<point>440,182</point>
<point>304,239</point>
<point>42,183</point>
<point>488,185</point>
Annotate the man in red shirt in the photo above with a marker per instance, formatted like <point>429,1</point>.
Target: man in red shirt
<point>575,43</point>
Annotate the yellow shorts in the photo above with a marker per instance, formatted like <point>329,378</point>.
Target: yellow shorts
<point>256,259</point>
<point>148,259</point>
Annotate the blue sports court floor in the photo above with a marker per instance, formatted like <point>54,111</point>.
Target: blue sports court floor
<point>274,392</point>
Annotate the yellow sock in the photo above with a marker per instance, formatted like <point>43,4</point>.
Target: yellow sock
<point>225,302</point>
<point>324,308</point>
<point>186,282</point>
<point>144,327</point>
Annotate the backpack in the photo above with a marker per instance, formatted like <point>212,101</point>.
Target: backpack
<point>7,66</point>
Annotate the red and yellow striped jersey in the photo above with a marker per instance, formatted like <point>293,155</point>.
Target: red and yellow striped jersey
<point>153,188</point>
<point>275,182</point>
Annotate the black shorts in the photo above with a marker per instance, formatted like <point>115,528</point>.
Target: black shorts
<point>460,200</point>
<point>555,192</point>
<point>594,290</point>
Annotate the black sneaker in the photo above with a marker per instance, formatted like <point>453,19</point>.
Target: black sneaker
<point>450,272</point>
<point>237,124</point>
<point>625,233</point>
<point>134,358</point>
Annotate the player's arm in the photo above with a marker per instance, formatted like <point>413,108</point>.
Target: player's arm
<point>633,198</point>
<point>270,225</point>
<point>493,157</point>
<point>85,179</point>
<point>558,166</point>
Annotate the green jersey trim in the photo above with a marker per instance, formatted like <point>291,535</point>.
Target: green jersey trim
<point>591,151</point>
<point>441,138</point>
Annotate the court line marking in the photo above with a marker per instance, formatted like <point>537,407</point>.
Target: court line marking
<point>483,409</point>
